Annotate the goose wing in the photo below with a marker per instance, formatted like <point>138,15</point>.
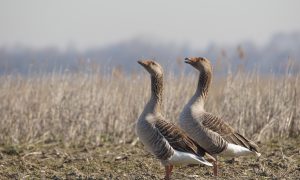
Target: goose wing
<point>179,140</point>
<point>224,130</point>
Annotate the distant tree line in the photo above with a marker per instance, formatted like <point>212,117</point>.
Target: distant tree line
<point>280,54</point>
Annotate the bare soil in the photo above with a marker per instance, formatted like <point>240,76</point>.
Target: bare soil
<point>280,160</point>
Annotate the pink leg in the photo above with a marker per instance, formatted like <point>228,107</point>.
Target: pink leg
<point>170,169</point>
<point>215,167</point>
<point>167,169</point>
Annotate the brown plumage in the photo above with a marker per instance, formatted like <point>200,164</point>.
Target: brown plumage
<point>209,131</point>
<point>179,140</point>
<point>227,132</point>
<point>165,140</point>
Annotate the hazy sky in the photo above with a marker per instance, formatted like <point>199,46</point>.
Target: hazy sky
<point>89,23</point>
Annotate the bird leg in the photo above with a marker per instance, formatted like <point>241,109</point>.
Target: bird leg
<point>215,163</point>
<point>167,169</point>
<point>170,169</point>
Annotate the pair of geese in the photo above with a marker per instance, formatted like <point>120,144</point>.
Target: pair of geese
<point>200,133</point>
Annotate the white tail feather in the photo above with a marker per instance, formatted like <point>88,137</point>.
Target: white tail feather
<point>234,150</point>
<point>187,158</point>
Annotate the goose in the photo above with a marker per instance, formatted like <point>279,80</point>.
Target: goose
<point>166,141</point>
<point>209,131</point>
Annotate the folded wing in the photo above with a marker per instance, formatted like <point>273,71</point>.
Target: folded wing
<point>179,140</point>
<point>224,130</point>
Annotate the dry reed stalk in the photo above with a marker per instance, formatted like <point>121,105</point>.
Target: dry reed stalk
<point>91,108</point>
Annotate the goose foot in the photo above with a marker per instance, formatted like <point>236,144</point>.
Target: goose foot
<point>232,161</point>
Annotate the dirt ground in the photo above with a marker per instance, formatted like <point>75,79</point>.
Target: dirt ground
<point>280,160</point>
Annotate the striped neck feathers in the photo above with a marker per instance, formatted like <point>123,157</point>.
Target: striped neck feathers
<point>155,103</point>
<point>202,88</point>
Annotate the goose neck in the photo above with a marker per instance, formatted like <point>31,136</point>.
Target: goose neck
<point>155,102</point>
<point>203,86</point>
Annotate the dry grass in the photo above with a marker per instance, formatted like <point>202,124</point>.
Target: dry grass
<point>279,160</point>
<point>80,126</point>
<point>89,109</point>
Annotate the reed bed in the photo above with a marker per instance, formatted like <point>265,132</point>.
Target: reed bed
<point>91,108</point>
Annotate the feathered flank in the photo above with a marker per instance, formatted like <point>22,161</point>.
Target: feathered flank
<point>227,132</point>
<point>209,131</point>
<point>165,140</point>
<point>179,140</point>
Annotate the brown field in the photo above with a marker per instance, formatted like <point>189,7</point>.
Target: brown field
<point>280,160</point>
<point>68,126</point>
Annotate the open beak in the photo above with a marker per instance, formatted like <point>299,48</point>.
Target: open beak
<point>187,60</point>
<point>141,63</point>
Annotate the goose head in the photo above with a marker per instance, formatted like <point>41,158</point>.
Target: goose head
<point>200,63</point>
<point>152,67</point>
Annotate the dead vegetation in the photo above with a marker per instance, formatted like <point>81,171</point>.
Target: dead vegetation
<point>279,160</point>
<point>80,126</point>
<point>87,109</point>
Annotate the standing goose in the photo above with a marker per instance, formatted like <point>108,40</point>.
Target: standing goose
<point>209,131</point>
<point>166,141</point>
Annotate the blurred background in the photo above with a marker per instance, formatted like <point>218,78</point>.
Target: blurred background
<point>71,90</point>
<point>46,36</point>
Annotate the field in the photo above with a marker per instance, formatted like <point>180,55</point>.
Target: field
<point>280,160</point>
<point>79,126</point>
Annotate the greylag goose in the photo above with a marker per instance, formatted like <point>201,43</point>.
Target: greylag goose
<point>209,131</point>
<point>163,139</point>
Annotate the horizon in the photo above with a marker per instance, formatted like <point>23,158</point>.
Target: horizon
<point>147,40</point>
<point>85,25</point>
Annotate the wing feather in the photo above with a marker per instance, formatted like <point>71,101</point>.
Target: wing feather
<point>219,126</point>
<point>179,140</point>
